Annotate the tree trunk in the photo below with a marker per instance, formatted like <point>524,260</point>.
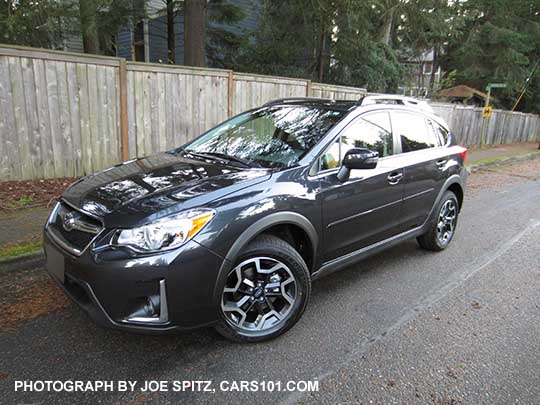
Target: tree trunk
<point>321,56</point>
<point>195,32</point>
<point>88,11</point>
<point>171,55</point>
<point>387,27</point>
<point>420,79</point>
<point>434,67</point>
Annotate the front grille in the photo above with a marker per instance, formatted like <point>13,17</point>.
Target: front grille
<point>73,229</point>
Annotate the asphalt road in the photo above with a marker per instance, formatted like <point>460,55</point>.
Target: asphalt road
<point>405,326</point>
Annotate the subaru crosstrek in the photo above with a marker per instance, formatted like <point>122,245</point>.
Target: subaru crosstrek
<point>231,228</point>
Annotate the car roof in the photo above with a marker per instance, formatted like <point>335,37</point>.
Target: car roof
<point>367,103</point>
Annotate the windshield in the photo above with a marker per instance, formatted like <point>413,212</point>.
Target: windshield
<point>275,136</point>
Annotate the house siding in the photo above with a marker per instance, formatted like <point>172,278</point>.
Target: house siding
<point>123,43</point>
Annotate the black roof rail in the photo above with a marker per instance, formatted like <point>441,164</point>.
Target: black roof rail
<point>293,99</point>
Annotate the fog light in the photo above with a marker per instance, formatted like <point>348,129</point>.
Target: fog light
<point>153,309</point>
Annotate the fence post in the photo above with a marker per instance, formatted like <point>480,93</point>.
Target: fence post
<point>308,88</point>
<point>124,140</point>
<point>230,89</point>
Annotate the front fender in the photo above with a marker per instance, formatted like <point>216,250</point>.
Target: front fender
<point>259,226</point>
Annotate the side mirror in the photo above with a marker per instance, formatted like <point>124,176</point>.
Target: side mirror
<point>357,158</point>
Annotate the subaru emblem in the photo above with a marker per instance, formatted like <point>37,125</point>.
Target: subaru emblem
<point>68,221</point>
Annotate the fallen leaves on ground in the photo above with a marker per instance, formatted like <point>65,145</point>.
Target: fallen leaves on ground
<point>38,299</point>
<point>32,193</point>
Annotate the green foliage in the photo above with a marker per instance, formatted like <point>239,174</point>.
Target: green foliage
<point>35,23</point>
<point>496,41</point>
<point>223,44</point>
<point>282,43</point>
<point>360,57</point>
<point>109,16</point>
<point>331,41</point>
<point>48,23</point>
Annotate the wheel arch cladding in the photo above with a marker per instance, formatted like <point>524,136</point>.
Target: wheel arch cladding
<point>458,191</point>
<point>287,226</point>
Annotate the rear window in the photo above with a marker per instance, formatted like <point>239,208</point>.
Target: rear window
<point>441,133</point>
<point>413,131</point>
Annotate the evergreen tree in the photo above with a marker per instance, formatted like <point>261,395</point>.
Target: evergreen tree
<point>496,41</point>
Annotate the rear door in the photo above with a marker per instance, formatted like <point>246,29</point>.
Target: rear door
<point>424,163</point>
<point>365,208</point>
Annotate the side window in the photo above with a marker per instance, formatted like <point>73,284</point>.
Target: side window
<point>364,134</point>
<point>441,133</point>
<point>381,119</point>
<point>360,134</point>
<point>412,130</point>
<point>331,158</point>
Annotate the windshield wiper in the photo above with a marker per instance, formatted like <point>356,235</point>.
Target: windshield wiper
<point>244,162</point>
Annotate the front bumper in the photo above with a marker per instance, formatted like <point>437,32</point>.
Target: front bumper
<point>111,291</point>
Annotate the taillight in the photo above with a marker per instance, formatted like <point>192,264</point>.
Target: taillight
<point>463,154</point>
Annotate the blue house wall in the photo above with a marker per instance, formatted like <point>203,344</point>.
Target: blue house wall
<point>157,32</point>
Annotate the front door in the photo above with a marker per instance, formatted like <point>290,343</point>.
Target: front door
<point>365,208</point>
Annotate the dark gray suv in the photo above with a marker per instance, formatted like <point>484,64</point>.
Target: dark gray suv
<point>230,229</point>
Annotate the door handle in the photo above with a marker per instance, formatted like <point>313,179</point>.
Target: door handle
<point>441,163</point>
<point>394,178</point>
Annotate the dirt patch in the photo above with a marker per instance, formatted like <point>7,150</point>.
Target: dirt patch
<point>37,299</point>
<point>495,177</point>
<point>15,195</point>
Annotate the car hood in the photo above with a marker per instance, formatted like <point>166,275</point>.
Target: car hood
<point>155,186</point>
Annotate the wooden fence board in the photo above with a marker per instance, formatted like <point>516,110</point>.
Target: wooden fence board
<point>86,132</point>
<point>131,113</point>
<point>19,113</point>
<point>10,155</point>
<point>42,101</point>
<point>74,114</point>
<point>54,119</point>
<point>31,114</point>
<point>66,133</point>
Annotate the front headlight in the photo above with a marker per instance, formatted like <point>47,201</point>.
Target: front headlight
<point>166,233</point>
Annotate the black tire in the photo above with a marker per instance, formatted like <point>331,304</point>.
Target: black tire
<point>272,247</point>
<point>431,240</point>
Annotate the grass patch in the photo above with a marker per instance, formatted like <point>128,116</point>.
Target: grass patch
<point>20,249</point>
<point>21,202</point>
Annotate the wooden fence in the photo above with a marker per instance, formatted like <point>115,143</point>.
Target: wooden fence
<point>502,127</point>
<point>65,114</point>
<point>58,114</point>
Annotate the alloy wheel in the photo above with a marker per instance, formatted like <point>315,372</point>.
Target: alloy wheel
<point>259,295</point>
<point>447,222</point>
